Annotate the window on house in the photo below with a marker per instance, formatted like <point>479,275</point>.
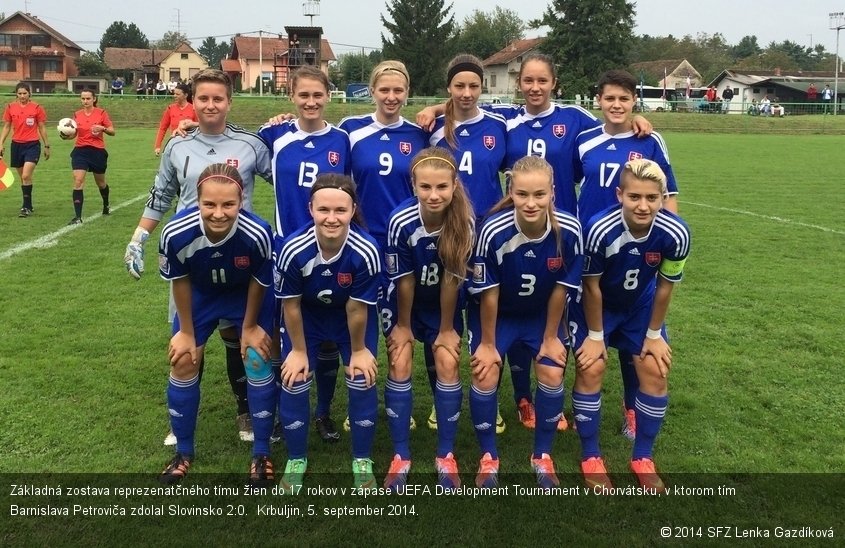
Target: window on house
<point>175,75</point>
<point>183,56</point>
<point>7,65</point>
<point>492,80</point>
<point>45,65</point>
<point>9,40</point>
<point>755,90</point>
<point>39,40</point>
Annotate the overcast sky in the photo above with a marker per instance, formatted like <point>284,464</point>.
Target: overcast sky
<point>352,24</point>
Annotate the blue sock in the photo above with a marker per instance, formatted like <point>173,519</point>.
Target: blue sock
<point>398,402</point>
<point>519,360</point>
<point>363,409</point>
<point>548,403</point>
<point>587,411</point>
<point>447,403</point>
<point>430,370</point>
<point>482,409</point>
<point>183,404</point>
<point>650,411</point>
<point>262,397</point>
<point>630,381</point>
<point>326,377</point>
<point>293,414</point>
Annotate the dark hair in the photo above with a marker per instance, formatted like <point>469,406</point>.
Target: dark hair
<point>342,182</point>
<point>23,85</point>
<point>459,63</point>
<point>311,72</point>
<point>186,89</point>
<point>620,78</point>
<point>535,56</point>
<point>93,94</point>
<point>220,172</point>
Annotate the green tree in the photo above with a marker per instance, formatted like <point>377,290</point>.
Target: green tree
<point>90,64</point>
<point>421,36</point>
<point>171,40</point>
<point>586,38</point>
<point>353,67</point>
<point>484,33</point>
<point>213,51</point>
<point>746,47</point>
<point>121,35</point>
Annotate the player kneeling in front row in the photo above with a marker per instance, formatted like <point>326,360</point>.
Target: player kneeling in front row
<point>329,275</point>
<point>634,253</point>
<point>219,259</point>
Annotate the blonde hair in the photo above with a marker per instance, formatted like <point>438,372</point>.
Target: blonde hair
<point>644,170</point>
<point>454,246</point>
<point>213,76</point>
<point>530,164</point>
<point>471,62</point>
<point>388,66</point>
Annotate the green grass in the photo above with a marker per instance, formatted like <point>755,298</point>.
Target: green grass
<point>756,389</point>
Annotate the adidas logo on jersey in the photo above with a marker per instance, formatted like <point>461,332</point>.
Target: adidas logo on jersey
<point>464,133</point>
<point>536,124</point>
<point>294,425</point>
<point>326,272</point>
<point>384,137</point>
<point>263,414</point>
<point>431,246</point>
<point>634,251</point>
<point>216,255</point>
<point>530,253</point>
<point>309,144</point>
<point>612,146</point>
<point>211,152</point>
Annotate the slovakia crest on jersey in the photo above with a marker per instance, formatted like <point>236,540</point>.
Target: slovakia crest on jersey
<point>652,258</point>
<point>405,148</point>
<point>233,162</point>
<point>392,262</point>
<point>344,279</point>
<point>554,263</point>
<point>334,158</point>
<point>559,130</point>
<point>634,156</point>
<point>242,262</point>
<point>489,142</point>
<point>163,265</point>
<point>478,273</point>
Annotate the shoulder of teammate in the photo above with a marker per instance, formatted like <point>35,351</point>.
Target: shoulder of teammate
<point>599,226</point>
<point>404,213</point>
<point>365,247</point>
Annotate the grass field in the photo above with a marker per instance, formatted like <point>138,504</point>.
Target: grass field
<point>756,394</point>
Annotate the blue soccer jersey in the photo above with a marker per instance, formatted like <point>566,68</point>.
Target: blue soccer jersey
<point>629,267</point>
<point>381,165</point>
<point>220,272</point>
<point>550,135</point>
<point>526,270</point>
<point>599,159</point>
<point>298,157</point>
<point>482,144</point>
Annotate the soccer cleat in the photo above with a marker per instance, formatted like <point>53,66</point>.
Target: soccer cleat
<point>488,472</point>
<point>291,481</point>
<point>170,438</point>
<point>346,425</point>
<point>106,210</point>
<point>75,221</point>
<point>629,424</point>
<point>432,419</point>
<point>595,473</point>
<point>326,429</point>
<point>362,473</point>
<point>562,423</point>
<point>544,468</point>
<point>244,422</point>
<point>447,472</point>
<point>646,474</point>
<point>500,422</point>
<point>413,424</point>
<point>176,469</point>
<point>525,412</point>
<point>278,433</point>
<point>397,474</point>
<point>25,212</point>
<point>261,472</point>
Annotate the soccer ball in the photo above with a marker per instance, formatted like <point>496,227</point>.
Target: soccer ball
<point>67,128</point>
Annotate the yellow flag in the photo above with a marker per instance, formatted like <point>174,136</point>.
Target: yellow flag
<point>7,177</point>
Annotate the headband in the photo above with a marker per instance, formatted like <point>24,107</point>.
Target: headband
<point>336,186</point>
<point>220,176</point>
<point>462,67</point>
<point>432,158</point>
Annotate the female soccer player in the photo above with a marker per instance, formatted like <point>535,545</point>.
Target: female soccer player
<point>329,274</point>
<point>528,254</point>
<point>25,120</point>
<point>180,109</point>
<point>303,148</point>
<point>89,153</point>
<point>218,257</point>
<point>635,253</point>
<point>600,153</point>
<point>430,239</point>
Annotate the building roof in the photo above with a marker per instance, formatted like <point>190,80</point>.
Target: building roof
<point>752,77</point>
<point>654,70</point>
<point>515,49</point>
<point>230,65</point>
<point>247,47</point>
<point>133,58</point>
<point>45,27</point>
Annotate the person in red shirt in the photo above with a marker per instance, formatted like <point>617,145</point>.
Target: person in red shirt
<point>24,120</point>
<point>180,109</point>
<point>89,153</point>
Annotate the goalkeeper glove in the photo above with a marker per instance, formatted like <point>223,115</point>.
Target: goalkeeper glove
<point>134,256</point>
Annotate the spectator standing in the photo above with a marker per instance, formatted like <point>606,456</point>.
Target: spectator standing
<point>827,95</point>
<point>727,96</point>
